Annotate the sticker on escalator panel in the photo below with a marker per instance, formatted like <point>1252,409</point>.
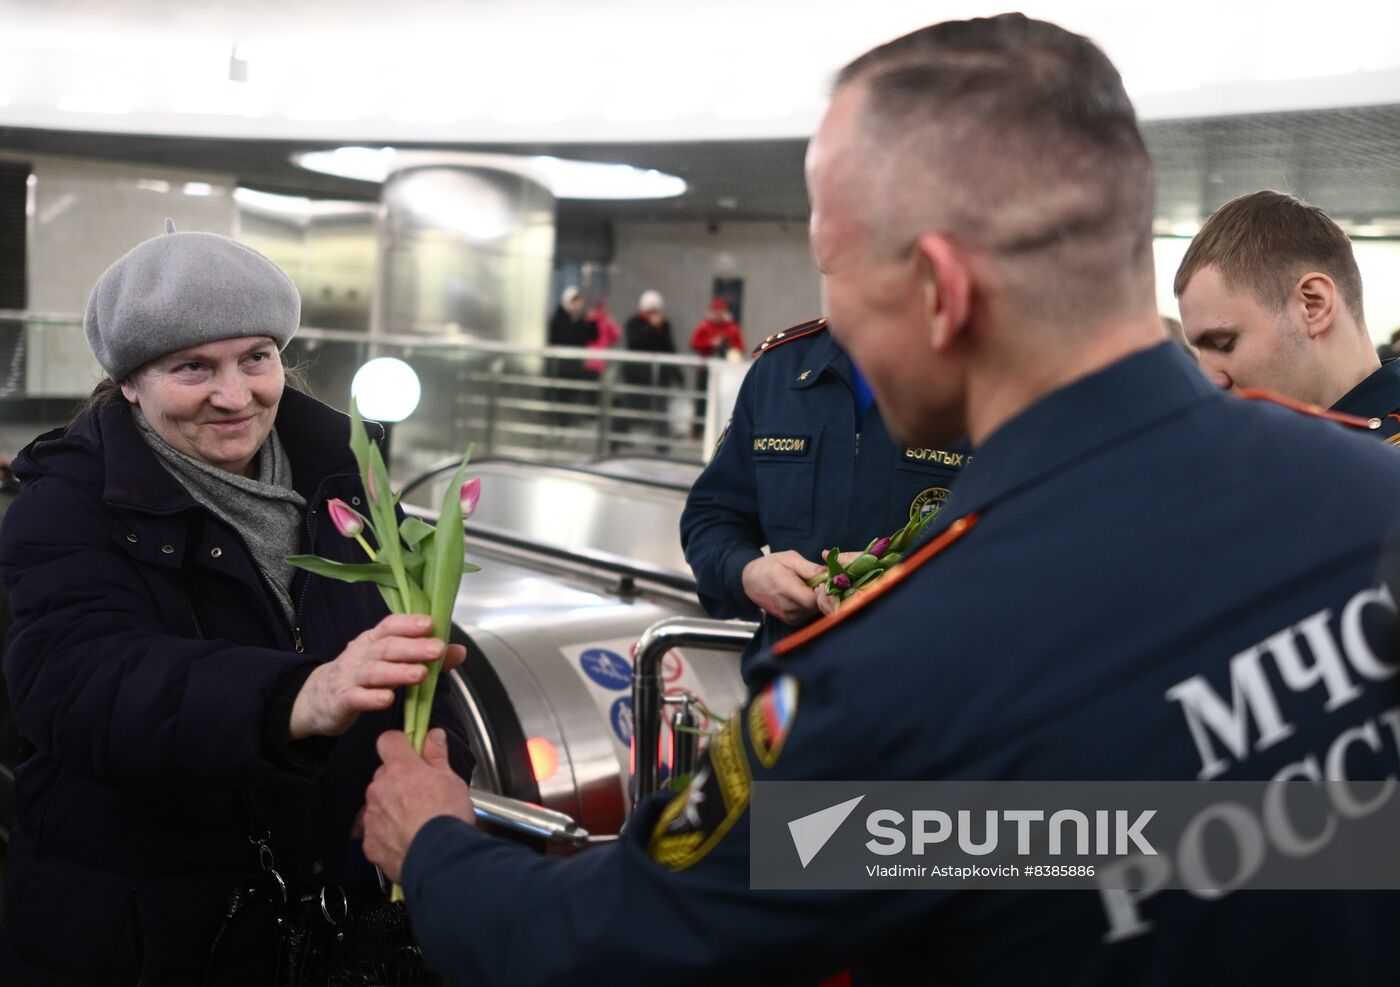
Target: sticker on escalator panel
<point>604,670</point>
<point>621,718</point>
<point>607,668</point>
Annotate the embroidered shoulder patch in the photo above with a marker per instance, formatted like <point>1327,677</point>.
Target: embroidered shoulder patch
<point>770,718</point>
<point>697,819</point>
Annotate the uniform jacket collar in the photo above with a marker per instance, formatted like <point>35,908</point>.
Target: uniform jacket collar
<point>1113,405</point>
<point>1376,396</point>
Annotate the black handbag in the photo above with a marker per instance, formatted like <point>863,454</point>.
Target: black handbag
<point>321,939</point>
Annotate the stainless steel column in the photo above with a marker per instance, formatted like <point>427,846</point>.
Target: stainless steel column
<point>464,250</point>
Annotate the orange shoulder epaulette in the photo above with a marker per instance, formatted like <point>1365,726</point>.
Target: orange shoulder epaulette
<point>1355,421</point>
<point>788,335</point>
<point>891,578</point>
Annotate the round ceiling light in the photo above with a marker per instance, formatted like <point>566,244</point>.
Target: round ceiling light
<point>565,178</point>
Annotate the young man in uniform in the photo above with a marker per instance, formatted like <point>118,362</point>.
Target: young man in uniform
<point>1117,589</point>
<point>1270,295</point>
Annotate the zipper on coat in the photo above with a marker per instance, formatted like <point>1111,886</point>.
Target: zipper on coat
<point>312,514</point>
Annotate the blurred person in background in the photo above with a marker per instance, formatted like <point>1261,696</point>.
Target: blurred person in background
<point>649,331</point>
<point>568,326</point>
<point>179,688</point>
<point>609,332</point>
<point>717,333</point>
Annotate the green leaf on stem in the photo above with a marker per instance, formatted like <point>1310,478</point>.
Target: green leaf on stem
<point>348,572</point>
<point>869,577</point>
<point>442,576</point>
<point>414,530</point>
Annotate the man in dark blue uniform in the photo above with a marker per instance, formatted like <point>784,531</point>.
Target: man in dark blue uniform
<point>1118,588</point>
<point>806,464</point>
<point>1271,295</point>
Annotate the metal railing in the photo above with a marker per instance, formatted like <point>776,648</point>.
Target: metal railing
<point>530,402</point>
<point>529,818</point>
<point>647,694</point>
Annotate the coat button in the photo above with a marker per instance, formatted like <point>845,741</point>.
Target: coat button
<point>215,552</point>
<point>168,549</point>
<point>131,537</point>
<point>1374,423</point>
<point>355,501</point>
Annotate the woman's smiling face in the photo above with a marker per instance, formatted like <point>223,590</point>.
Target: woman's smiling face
<point>216,402</point>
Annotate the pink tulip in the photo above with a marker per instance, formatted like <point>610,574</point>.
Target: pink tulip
<point>471,493</point>
<point>344,517</point>
<point>369,485</point>
<point>880,547</point>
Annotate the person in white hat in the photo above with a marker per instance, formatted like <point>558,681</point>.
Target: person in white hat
<point>649,331</point>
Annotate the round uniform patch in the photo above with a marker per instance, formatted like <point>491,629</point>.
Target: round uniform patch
<point>928,501</point>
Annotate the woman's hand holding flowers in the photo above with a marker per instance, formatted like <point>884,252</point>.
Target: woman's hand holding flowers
<point>395,652</point>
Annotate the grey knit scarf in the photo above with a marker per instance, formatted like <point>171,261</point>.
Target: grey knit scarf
<point>266,511</point>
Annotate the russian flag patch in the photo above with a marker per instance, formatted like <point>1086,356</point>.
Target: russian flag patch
<point>770,718</point>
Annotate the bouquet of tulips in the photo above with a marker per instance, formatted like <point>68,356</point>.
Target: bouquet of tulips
<point>882,554</point>
<point>416,566</point>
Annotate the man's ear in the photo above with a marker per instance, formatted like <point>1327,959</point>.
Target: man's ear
<point>947,288</point>
<point>129,391</point>
<point>1315,295</point>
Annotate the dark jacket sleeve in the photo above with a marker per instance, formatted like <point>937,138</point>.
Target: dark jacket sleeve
<point>720,530</point>
<point>489,912</point>
<point>96,678</point>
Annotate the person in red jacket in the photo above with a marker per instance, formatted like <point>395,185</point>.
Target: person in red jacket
<point>717,333</point>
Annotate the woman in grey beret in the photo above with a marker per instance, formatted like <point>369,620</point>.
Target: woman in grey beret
<point>182,691</point>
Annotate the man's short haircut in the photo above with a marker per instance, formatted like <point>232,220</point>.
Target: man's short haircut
<point>1265,241</point>
<point>1019,137</point>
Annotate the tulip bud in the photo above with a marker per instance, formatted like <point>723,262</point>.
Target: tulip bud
<point>881,546</point>
<point>471,493</point>
<point>842,581</point>
<point>369,486</point>
<point>345,519</point>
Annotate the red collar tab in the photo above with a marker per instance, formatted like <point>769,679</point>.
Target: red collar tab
<point>1260,394</point>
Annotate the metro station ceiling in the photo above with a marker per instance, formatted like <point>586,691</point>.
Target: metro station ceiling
<point>1344,160</point>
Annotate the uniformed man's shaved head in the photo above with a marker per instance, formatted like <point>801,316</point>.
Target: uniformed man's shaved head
<point>1017,137</point>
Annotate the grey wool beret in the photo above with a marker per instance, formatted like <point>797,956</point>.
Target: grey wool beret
<point>183,289</point>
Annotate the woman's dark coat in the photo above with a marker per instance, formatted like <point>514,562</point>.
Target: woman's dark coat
<point>151,673</point>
